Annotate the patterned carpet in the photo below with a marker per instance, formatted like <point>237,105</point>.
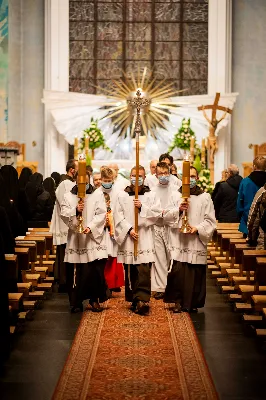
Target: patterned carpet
<point>117,355</point>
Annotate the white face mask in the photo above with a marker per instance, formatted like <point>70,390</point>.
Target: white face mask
<point>133,180</point>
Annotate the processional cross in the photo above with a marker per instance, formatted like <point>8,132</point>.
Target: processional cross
<point>139,102</point>
<point>213,123</point>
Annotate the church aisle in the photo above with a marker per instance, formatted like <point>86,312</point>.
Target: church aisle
<point>120,355</point>
<point>237,367</point>
<point>39,352</point>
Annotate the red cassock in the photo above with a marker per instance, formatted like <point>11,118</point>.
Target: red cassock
<point>114,273</point>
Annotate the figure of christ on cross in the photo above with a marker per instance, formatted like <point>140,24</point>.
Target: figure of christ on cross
<point>139,102</point>
<point>213,123</point>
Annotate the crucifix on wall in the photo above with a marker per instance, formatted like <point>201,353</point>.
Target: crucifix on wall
<point>213,123</point>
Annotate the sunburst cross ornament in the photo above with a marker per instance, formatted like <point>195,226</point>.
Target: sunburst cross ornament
<point>154,113</point>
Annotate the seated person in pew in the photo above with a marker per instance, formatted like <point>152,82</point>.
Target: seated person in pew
<point>7,244</point>
<point>247,190</point>
<point>257,220</point>
<point>186,283</point>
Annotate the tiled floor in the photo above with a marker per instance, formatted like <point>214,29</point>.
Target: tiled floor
<point>38,355</point>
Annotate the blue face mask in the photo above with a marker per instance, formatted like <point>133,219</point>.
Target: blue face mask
<point>164,180</point>
<point>107,185</point>
<point>193,183</point>
<point>133,181</point>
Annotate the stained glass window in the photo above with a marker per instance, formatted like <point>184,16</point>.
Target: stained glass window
<point>108,37</point>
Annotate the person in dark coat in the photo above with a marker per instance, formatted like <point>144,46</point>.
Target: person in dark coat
<point>15,219</point>
<point>41,204</point>
<point>7,244</point>
<point>49,186</point>
<point>56,177</point>
<point>24,177</point>
<point>226,197</point>
<point>247,190</point>
<point>15,191</point>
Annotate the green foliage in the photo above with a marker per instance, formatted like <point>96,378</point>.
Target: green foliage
<point>205,181</point>
<point>183,137</point>
<point>95,135</point>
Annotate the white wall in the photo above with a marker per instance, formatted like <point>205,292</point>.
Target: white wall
<point>26,76</point>
<point>248,77</point>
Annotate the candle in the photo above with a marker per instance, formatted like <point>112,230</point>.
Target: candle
<point>186,179</point>
<point>76,148</point>
<point>82,178</point>
<point>203,150</point>
<point>86,146</point>
<point>192,145</point>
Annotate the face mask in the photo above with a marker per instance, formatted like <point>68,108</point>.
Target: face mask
<point>193,183</point>
<point>87,186</point>
<point>164,180</point>
<point>107,185</point>
<point>133,181</point>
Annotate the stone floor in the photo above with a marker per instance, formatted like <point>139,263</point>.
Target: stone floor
<point>39,353</point>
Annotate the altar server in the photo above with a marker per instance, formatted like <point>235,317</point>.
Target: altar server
<point>186,284</point>
<point>166,158</point>
<point>167,195</point>
<point>120,183</point>
<point>137,270</point>
<point>152,173</point>
<point>114,271</point>
<point>58,227</point>
<point>86,253</point>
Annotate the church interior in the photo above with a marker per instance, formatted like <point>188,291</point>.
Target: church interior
<point>106,102</point>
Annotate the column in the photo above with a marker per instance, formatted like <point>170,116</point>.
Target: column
<point>219,71</point>
<point>56,78</point>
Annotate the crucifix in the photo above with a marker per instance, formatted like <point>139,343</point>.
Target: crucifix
<point>213,123</point>
<point>139,102</point>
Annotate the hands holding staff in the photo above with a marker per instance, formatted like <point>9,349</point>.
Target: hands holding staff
<point>137,203</point>
<point>133,234</point>
<point>86,231</point>
<point>184,207</point>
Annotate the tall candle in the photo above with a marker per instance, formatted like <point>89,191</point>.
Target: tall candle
<point>192,145</point>
<point>82,178</point>
<point>186,179</point>
<point>86,146</point>
<point>76,148</point>
<point>203,150</point>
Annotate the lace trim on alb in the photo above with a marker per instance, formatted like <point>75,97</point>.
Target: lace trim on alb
<point>86,250</point>
<point>202,253</point>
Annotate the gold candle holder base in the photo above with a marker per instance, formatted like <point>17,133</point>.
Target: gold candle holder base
<point>185,228</point>
<point>80,227</point>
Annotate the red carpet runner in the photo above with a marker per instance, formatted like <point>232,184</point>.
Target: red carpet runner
<point>117,355</point>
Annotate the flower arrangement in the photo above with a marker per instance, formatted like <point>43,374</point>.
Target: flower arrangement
<point>205,181</point>
<point>95,136</point>
<point>183,137</point>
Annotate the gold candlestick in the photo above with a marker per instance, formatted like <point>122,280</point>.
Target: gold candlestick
<point>185,228</point>
<point>76,148</point>
<point>192,149</point>
<point>81,189</point>
<point>203,151</point>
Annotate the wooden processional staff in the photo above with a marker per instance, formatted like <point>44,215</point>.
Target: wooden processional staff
<point>213,123</point>
<point>139,102</point>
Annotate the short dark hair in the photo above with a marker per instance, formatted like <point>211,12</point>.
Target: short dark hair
<point>141,168</point>
<point>191,167</point>
<point>164,156</point>
<point>89,169</point>
<point>162,165</point>
<point>70,164</point>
